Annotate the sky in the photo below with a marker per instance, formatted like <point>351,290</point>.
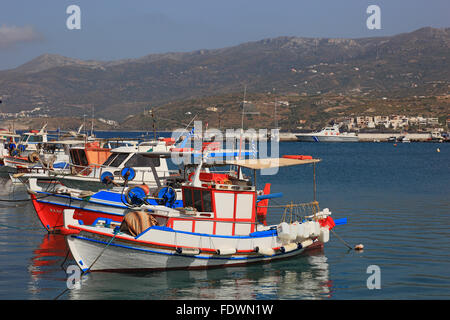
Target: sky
<point>119,29</point>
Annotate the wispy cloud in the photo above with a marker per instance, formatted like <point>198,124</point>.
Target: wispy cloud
<point>11,36</point>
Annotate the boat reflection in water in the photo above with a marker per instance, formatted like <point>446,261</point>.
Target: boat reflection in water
<point>303,277</point>
<point>46,262</point>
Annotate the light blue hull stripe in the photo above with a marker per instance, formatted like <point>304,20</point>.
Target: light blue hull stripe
<point>181,255</point>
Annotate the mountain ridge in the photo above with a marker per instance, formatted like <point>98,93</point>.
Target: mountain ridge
<point>414,63</point>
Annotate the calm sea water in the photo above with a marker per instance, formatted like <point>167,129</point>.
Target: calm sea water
<point>396,200</point>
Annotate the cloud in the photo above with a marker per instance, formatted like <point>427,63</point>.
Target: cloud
<point>11,36</point>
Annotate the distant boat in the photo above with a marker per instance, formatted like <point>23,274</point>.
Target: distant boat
<point>406,140</point>
<point>328,134</point>
<point>392,139</point>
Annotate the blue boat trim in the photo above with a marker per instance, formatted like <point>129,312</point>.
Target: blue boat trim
<point>340,221</point>
<point>181,255</point>
<point>257,234</point>
<point>115,197</point>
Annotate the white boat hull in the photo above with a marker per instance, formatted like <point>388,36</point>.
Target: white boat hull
<point>315,138</point>
<point>92,252</point>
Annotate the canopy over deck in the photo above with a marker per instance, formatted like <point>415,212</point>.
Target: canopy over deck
<point>258,164</point>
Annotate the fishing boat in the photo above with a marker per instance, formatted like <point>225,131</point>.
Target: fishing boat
<point>6,138</point>
<point>73,155</point>
<point>115,199</point>
<point>328,134</point>
<point>93,176</point>
<point>221,223</point>
<point>35,150</point>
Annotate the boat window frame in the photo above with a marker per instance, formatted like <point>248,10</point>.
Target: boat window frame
<point>121,157</point>
<point>203,204</point>
<point>79,159</point>
<point>143,161</point>
<point>35,139</point>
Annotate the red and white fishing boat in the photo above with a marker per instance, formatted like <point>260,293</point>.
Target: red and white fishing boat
<point>217,226</point>
<point>115,200</point>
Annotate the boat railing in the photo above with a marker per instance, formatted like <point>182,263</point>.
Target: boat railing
<point>96,170</point>
<point>294,211</point>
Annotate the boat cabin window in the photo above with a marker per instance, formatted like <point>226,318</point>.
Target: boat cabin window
<point>138,160</point>
<point>199,199</point>
<point>115,159</point>
<point>35,139</point>
<point>79,157</point>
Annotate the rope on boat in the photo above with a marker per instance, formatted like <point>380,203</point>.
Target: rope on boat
<point>342,240</point>
<point>21,200</point>
<point>296,210</point>
<point>18,228</point>
<point>107,245</point>
<point>87,270</point>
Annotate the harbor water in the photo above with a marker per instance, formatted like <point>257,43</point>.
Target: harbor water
<point>395,198</point>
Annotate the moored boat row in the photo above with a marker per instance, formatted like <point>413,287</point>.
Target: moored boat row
<point>137,214</point>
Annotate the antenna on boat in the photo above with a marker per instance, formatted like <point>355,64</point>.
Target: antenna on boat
<point>92,123</point>
<point>275,109</point>
<point>43,128</point>
<point>242,121</point>
<point>153,124</point>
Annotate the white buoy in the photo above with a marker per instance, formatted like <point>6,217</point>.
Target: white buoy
<point>293,231</point>
<point>289,247</point>
<point>265,251</point>
<point>226,251</point>
<point>306,243</point>
<point>284,231</point>
<point>188,251</point>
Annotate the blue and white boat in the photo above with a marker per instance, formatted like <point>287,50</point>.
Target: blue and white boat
<point>328,134</point>
<point>217,226</point>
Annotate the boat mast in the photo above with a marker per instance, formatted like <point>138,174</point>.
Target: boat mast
<point>242,122</point>
<point>92,123</point>
<point>153,124</point>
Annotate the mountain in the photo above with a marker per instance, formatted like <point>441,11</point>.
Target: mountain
<point>408,64</point>
<point>48,61</point>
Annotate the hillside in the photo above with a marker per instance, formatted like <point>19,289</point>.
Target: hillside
<point>400,66</point>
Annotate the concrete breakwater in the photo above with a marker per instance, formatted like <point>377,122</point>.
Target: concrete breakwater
<point>383,137</point>
<point>371,137</point>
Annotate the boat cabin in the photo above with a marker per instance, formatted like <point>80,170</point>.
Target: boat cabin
<point>30,140</point>
<point>91,154</point>
<point>224,203</point>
